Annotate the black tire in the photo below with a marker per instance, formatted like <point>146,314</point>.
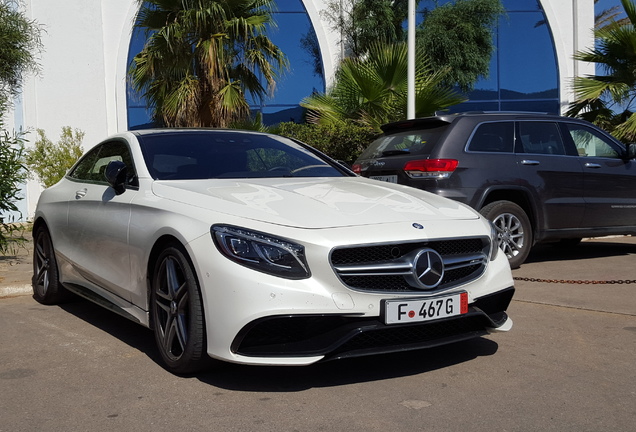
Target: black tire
<point>47,288</point>
<point>177,313</point>
<point>514,231</point>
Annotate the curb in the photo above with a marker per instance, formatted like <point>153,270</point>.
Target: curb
<point>16,290</point>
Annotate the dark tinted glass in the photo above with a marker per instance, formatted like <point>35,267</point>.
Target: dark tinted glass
<point>416,142</point>
<point>83,168</point>
<point>541,138</point>
<point>201,155</point>
<point>92,166</point>
<point>493,137</point>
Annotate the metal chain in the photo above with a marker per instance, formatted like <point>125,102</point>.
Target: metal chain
<point>564,281</point>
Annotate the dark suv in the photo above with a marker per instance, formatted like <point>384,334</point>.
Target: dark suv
<point>538,177</point>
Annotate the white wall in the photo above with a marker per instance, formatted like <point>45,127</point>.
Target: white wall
<point>571,22</point>
<point>328,40</point>
<point>82,83</point>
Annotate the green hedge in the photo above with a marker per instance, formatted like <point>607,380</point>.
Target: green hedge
<point>342,142</point>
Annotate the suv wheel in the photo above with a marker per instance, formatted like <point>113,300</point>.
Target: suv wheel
<point>514,231</point>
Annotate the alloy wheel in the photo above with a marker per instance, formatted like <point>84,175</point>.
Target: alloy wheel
<point>172,308</point>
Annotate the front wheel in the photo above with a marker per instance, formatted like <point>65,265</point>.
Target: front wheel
<point>177,313</point>
<point>514,232</point>
<point>47,288</point>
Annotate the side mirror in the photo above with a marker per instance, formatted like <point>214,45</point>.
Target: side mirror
<point>631,151</point>
<point>116,173</point>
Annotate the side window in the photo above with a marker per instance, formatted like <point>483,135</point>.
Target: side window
<point>493,137</point>
<point>84,167</point>
<point>541,138</point>
<point>589,142</point>
<point>92,166</point>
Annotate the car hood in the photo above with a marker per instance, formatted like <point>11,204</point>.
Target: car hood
<point>313,202</point>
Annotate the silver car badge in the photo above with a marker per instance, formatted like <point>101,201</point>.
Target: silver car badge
<point>428,268</point>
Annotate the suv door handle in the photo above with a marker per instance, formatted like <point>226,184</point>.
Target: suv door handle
<point>592,165</point>
<point>529,162</point>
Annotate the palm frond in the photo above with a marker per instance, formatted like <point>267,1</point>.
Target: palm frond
<point>202,57</point>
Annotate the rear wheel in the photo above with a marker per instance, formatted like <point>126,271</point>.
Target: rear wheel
<point>177,313</point>
<point>514,232</point>
<point>47,288</point>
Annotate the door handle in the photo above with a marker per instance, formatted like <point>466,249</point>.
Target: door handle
<point>592,165</point>
<point>79,194</point>
<point>529,162</point>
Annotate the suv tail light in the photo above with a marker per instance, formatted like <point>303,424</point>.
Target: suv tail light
<point>357,168</point>
<point>431,168</point>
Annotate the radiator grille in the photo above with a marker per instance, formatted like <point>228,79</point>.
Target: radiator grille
<point>389,267</point>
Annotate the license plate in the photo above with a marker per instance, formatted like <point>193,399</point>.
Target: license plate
<point>386,178</point>
<point>409,311</point>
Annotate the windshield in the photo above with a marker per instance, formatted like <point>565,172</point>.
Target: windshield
<point>417,142</point>
<point>229,154</point>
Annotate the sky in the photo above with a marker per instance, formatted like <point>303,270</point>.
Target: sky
<point>606,4</point>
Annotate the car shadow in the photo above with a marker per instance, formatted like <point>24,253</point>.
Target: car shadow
<point>291,378</point>
<point>129,332</point>
<point>584,250</point>
<point>347,371</point>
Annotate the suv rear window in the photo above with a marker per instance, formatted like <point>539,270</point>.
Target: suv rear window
<point>414,141</point>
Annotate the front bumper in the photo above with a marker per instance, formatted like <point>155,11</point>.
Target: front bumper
<point>331,337</point>
<point>257,318</point>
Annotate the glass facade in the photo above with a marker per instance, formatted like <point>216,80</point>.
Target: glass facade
<point>523,74</point>
<point>523,70</point>
<point>300,80</point>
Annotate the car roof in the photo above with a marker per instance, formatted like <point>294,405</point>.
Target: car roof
<point>440,119</point>
<point>154,131</point>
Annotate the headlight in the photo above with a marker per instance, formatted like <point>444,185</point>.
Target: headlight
<point>494,242</point>
<point>262,252</point>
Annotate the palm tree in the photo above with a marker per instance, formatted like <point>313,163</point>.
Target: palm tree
<point>608,16</point>
<point>203,58</point>
<point>373,90</point>
<point>607,100</point>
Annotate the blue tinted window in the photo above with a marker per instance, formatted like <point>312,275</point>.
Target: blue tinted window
<point>527,60</point>
<point>521,5</point>
<point>290,6</point>
<point>523,71</point>
<point>137,115</point>
<point>298,82</point>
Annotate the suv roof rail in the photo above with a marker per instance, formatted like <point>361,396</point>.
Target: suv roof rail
<point>507,112</point>
<point>413,123</point>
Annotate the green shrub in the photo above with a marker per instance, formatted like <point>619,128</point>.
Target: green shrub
<point>341,141</point>
<point>50,161</point>
<point>12,176</point>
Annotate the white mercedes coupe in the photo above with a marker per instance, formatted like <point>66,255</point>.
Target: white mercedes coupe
<point>253,248</point>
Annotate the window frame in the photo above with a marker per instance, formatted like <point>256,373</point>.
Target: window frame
<point>600,134</point>
<point>95,153</point>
